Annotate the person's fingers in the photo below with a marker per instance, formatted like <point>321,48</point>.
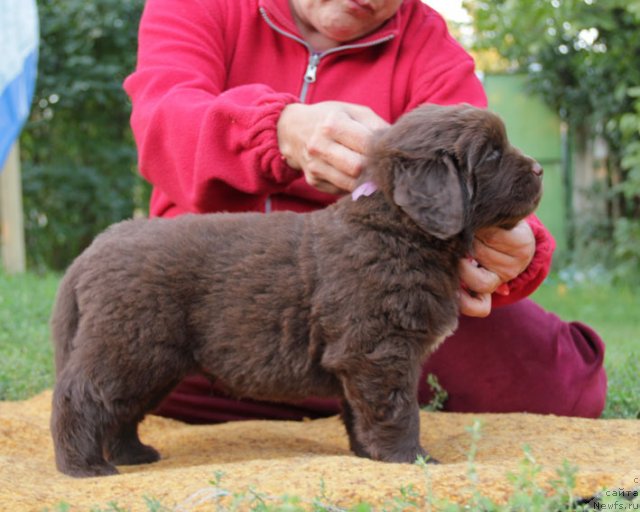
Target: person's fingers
<point>327,141</point>
<point>506,252</point>
<point>503,265</point>
<point>341,128</point>
<point>353,128</point>
<point>341,158</point>
<point>474,304</point>
<point>327,178</point>
<point>367,117</point>
<point>476,278</point>
<point>477,286</point>
<point>325,186</point>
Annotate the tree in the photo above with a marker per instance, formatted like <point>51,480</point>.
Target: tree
<point>79,158</point>
<point>583,58</point>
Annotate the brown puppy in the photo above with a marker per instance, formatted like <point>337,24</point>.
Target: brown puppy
<point>343,302</point>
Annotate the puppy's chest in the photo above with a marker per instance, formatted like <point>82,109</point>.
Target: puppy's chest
<point>386,289</point>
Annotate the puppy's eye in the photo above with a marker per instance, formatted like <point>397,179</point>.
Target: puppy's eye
<point>508,224</point>
<point>493,156</point>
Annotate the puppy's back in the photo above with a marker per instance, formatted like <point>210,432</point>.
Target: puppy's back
<point>200,284</point>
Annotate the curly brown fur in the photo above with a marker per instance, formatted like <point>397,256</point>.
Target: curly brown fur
<point>343,302</point>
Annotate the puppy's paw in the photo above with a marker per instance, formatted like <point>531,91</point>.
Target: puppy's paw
<point>134,455</point>
<point>408,455</point>
<point>92,470</point>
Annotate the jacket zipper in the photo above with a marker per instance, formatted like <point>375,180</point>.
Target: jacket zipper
<point>311,73</point>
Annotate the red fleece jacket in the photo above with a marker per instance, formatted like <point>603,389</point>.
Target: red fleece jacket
<point>213,77</point>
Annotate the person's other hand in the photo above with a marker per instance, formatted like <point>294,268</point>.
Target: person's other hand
<point>498,256</point>
<point>327,141</point>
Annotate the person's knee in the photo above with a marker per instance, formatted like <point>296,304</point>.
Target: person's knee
<point>521,359</point>
<point>592,381</point>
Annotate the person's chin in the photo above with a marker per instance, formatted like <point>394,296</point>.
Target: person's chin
<point>348,33</point>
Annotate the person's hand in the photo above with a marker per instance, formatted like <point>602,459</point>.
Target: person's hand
<point>498,256</point>
<point>327,141</point>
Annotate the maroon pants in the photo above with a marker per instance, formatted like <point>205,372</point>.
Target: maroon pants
<point>519,359</point>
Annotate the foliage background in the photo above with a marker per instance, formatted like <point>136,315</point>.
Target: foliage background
<point>583,58</point>
<point>78,154</point>
<point>79,168</point>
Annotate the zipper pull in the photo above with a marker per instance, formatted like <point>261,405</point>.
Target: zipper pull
<point>312,68</point>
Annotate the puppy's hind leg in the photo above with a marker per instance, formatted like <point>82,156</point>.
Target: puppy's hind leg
<point>78,424</point>
<point>123,446</point>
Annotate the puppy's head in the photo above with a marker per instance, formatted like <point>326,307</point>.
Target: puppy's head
<point>452,169</point>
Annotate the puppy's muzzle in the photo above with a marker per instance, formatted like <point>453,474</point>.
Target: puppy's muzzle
<point>537,169</point>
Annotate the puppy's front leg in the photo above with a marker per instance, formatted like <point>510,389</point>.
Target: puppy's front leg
<point>381,410</point>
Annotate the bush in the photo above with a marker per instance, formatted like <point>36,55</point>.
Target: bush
<point>570,51</point>
<point>627,229</point>
<point>79,171</point>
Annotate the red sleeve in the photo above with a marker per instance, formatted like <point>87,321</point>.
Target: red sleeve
<point>533,276</point>
<point>191,133</point>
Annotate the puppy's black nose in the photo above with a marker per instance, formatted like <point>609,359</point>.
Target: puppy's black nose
<point>537,169</point>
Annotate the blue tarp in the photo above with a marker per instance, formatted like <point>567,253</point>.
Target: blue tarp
<point>18,67</point>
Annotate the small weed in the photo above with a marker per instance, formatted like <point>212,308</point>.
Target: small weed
<point>154,505</point>
<point>63,506</point>
<point>440,394</point>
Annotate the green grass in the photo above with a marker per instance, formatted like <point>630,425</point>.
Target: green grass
<point>614,312</point>
<point>26,355</point>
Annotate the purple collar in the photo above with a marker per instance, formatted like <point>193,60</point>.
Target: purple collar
<point>365,189</point>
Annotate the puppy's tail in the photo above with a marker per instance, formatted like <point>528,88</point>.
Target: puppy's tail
<point>64,320</point>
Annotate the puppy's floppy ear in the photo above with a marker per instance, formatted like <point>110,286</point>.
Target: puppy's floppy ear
<point>431,194</point>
